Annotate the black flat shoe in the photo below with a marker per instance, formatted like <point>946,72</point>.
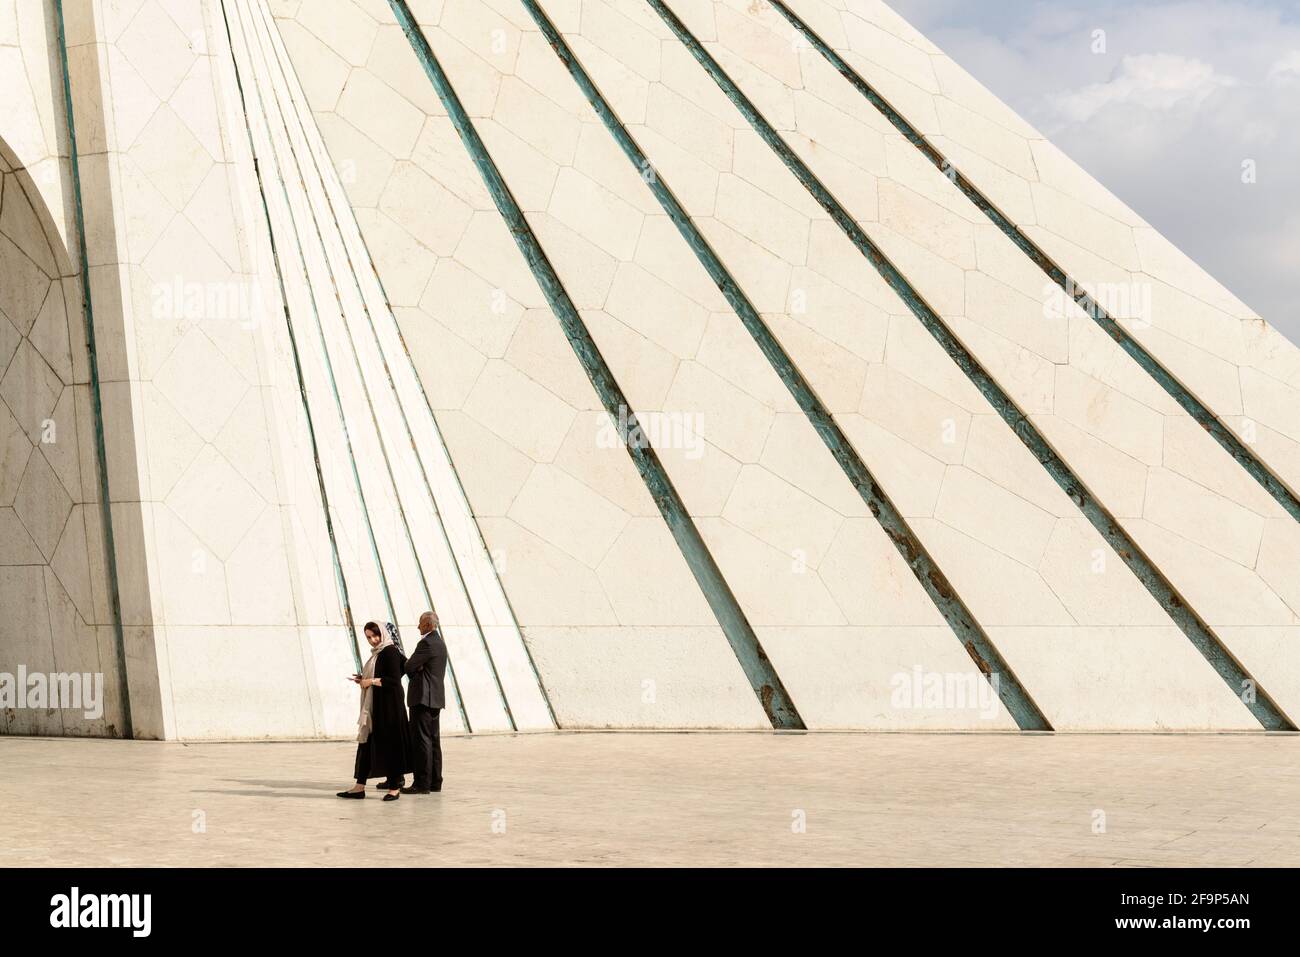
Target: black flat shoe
<point>352,794</point>
<point>391,797</point>
<point>415,790</point>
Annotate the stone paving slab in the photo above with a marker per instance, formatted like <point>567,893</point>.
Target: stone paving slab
<point>704,799</point>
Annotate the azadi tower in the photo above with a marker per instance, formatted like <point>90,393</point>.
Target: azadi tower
<point>706,363</point>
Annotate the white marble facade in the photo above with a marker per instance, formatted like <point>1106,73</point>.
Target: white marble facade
<point>323,362</point>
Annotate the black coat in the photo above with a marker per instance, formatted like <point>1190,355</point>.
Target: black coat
<point>390,733</point>
<point>427,668</point>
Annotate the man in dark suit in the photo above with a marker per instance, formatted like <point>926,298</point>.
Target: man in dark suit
<point>425,697</point>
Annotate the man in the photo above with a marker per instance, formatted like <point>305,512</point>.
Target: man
<point>424,696</point>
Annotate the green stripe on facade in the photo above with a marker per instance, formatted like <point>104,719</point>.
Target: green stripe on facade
<point>1185,398</point>
<point>96,397</point>
<point>973,638</point>
<point>749,652</point>
<point>1202,637</point>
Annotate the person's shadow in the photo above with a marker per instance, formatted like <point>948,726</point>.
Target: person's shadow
<point>275,789</point>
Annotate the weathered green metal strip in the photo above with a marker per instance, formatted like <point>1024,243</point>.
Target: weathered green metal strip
<point>428,407</point>
<point>1202,637</point>
<point>96,397</point>
<point>356,360</point>
<point>744,642</point>
<point>339,580</point>
<point>1226,438</point>
<point>333,383</point>
<point>959,617</point>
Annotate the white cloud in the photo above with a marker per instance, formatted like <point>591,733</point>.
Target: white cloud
<point>1153,81</point>
<point>1185,93</point>
<point>1287,69</point>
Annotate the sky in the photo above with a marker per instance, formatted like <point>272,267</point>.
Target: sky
<point>1184,94</point>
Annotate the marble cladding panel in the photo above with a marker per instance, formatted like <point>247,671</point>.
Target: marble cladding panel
<point>991,513</point>
<point>1238,365</point>
<point>1141,454</point>
<point>217,532</point>
<point>406,361</point>
<point>582,553</point>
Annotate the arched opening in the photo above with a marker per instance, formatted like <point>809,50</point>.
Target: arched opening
<point>58,655</point>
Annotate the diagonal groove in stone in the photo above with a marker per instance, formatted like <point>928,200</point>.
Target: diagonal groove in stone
<point>758,668</point>
<point>361,262</point>
<point>932,579</point>
<point>326,510</point>
<point>484,585</point>
<point>1176,390</point>
<point>97,403</point>
<point>301,176</point>
<point>1198,632</point>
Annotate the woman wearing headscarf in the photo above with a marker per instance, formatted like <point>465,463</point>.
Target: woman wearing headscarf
<point>383,735</point>
<point>395,637</point>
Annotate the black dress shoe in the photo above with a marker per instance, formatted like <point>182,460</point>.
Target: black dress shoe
<point>391,797</point>
<point>414,790</point>
<point>352,794</point>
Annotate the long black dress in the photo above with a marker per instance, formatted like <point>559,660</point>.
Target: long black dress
<point>387,752</point>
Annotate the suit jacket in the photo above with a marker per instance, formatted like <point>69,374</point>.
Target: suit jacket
<point>426,668</point>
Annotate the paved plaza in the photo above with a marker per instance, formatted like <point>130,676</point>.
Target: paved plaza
<point>668,799</point>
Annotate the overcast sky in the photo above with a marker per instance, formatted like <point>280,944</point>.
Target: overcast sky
<point>1186,91</point>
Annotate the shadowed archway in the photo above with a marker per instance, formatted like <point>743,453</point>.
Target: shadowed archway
<point>57,582</point>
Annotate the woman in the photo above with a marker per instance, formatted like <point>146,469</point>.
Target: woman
<point>383,735</point>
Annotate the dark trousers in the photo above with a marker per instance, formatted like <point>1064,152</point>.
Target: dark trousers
<point>426,747</point>
<point>361,768</point>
